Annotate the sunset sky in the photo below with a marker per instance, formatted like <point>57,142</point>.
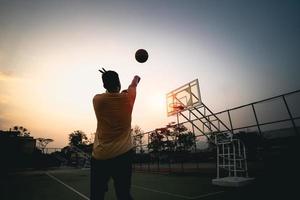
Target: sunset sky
<point>50,53</point>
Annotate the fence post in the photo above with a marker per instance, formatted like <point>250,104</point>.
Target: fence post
<point>257,123</point>
<point>230,122</point>
<point>290,114</point>
<point>148,152</point>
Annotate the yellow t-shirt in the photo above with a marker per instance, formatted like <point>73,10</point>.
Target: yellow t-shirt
<point>113,112</point>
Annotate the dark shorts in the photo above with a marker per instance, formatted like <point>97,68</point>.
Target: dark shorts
<point>119,169</point>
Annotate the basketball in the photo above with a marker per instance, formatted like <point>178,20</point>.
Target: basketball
<point>141,55</point>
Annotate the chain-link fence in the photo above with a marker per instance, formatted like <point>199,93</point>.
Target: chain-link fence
<point>264,126</point>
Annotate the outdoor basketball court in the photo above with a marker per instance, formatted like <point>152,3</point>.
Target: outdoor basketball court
<point>71,183</point>
<point>74,184</point>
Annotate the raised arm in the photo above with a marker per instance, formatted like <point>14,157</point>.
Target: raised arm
<point>132,88</point>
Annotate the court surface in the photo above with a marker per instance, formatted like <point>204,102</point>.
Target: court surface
<point>74,184</point>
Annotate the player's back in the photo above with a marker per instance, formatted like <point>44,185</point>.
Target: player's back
<point>113,113</point>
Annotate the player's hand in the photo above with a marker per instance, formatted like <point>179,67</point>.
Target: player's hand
<point>137,78</point>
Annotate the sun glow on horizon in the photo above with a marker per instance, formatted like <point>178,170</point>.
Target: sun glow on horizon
<point>157,102</point>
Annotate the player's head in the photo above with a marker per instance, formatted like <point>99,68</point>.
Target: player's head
<point>111,81</point>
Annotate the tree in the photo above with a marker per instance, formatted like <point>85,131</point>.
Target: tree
<point>168,138</point>
<point>171,137</point>
<point>185,141</point>
<point>21,131</point>
<point>155,144</point>
<point>77,138</point>
<point>137,135</point>
<point>43,142</point>
<point>176,137</point>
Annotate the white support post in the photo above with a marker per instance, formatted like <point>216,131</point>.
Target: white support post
<point>228,158</point>
<point>234,159</point>
<point>240,154</point>
<point>223,154</point>
<point>230,155</point>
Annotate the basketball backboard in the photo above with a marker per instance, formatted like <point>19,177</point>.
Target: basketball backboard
<point>183,98</point>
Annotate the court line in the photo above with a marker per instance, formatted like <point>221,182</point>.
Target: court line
<point>177,195</point>
<point>139,187</point>
<point>67,186</point>
<point>161,192</point>
<point>206,195</point>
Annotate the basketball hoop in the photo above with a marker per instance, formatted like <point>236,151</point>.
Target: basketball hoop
<point>176,106</point>
<point>183,98</point>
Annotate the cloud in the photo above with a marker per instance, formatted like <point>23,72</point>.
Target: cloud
<point>3,123</point>
<point>6,76</point>
<point>4,115</point>
<point>5,99</point>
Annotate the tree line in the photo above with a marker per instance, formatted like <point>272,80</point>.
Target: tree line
<point>171,138</point>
